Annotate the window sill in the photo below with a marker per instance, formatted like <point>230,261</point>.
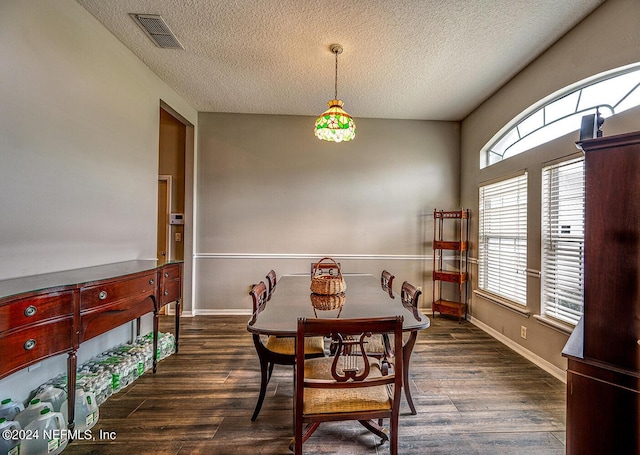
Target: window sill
<point>515,307</point>
<point>555,324</point>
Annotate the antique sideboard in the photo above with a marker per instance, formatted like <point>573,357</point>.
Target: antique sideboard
<point>50,314</point>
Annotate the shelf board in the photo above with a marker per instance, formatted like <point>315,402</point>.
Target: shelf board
<point>446,245</point>
<point>451,277</point>
<point>454,214</point>
<point>449,307</point>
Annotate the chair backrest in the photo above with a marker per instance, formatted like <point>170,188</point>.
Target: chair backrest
<point>351,366</point>
<point>325,268</point>
<point>271,282</point>
<point>410,295</point>
<point>259,295</point>
<point>386,281</point>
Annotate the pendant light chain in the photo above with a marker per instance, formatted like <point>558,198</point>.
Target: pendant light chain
<point>335,96</point>
<point>335,124</point>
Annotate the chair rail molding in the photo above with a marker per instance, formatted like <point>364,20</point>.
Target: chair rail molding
<point>311,256</point>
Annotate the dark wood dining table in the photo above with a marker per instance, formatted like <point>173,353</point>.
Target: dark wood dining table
<point>364,298</point>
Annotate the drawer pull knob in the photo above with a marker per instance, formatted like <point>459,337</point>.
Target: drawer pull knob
<point>151,281</point>
<point>30,311</point>
<point>166,292</point>
<point>29,344</point>
<point>166,274</point>
<point>102,295</point>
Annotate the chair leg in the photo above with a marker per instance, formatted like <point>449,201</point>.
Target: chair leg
<point>264,380</point>
<point>296,443</point>
<point>375,429</point>
<point>393,438</point>
<point>271,364</point>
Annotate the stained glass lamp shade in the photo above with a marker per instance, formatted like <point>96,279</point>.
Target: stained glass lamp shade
<point>335,124</point>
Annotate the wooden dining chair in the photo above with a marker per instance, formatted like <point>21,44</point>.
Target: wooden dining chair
<point>271,283</point>
<point>325,268</point>
<point>380,346</point>
<point>386,281</point>
<point>350,385</point>
<point>410,296</point>
<point>274,350</point>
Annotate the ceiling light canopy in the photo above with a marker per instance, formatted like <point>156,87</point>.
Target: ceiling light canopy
<point>335,124</point>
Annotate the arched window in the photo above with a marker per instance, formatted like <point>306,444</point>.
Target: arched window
<point>561,113</point>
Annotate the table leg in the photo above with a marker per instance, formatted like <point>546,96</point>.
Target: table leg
<point>406,359</point>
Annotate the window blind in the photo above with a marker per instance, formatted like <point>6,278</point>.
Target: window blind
<point>563,195</point>
<point>502,248</point>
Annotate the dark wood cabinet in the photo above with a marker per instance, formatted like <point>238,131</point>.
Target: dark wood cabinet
<point>113,302</point>
<point>51,314</point>
<point>603,353</point>
<point>450,263</point>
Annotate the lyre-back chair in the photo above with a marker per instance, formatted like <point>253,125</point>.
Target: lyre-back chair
<point>378,344</point>
<point>386,281</point>
<point>325,268</point>
<point>410,296</point>
<point>350,385</point>
<point>271,283</point>
<point>275,350</point>
<point>381,346</point>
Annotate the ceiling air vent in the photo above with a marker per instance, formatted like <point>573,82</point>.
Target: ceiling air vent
<point>157,30</point>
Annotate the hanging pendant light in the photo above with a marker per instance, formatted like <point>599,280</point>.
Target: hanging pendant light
<point>335,124</point>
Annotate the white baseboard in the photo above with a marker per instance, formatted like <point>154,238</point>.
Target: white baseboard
<point>537,360</point>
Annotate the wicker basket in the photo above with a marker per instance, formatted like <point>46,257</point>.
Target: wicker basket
<point>327,284</point>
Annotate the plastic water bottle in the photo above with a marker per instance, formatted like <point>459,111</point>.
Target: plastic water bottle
<point>9,446</point>
<point>52,435</point>
<point>53,395</point>
<point>32,412</point>
<point>103,388</point>
<point>9,408</point>
<point>86,410</point>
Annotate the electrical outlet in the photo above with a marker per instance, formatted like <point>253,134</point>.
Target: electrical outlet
<point>523,332</point>
<point>178,237</point>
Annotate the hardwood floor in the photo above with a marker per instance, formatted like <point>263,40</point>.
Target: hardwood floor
<point>473,396</point>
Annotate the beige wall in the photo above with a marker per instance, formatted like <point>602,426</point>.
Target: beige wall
<point>271,195</point>
<point>607,39</point>
<point>79,141</point>
<point>79,124</point>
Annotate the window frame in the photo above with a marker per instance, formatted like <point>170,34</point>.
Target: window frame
<point>562,239</point>
<point>513,128</point>
<point>502,244</point>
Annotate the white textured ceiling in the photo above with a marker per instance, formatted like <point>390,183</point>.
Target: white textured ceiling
<point>404,59</point>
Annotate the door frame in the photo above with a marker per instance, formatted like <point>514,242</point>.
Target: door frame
<point>188,303</point>
<point>169,181</point>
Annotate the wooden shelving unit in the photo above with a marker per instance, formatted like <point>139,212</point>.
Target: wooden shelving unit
<point>450,262</point>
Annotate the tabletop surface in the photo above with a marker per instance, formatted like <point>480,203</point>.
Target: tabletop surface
<point>364,298</point>
<point>32,283</point>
